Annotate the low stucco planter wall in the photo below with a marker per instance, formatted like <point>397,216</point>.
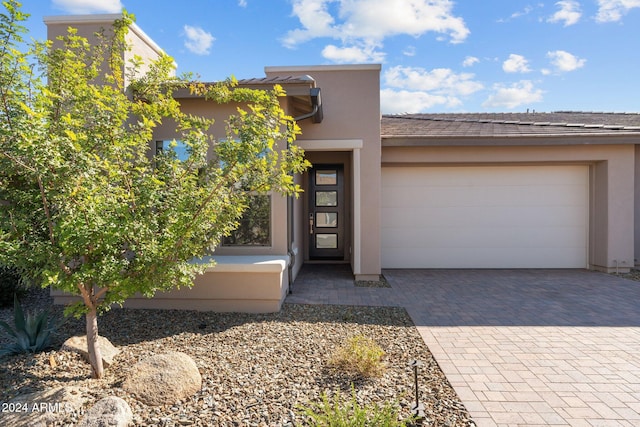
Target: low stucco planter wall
<point>252,284</point>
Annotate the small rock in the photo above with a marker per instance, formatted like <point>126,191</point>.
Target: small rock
<point>110,411</point>
<point>164,378</point>
<point>78,344</point>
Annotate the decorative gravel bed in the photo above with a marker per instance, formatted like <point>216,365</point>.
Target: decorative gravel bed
<point>257,369</point>
<point>634,274</point>
<point>381,283</point>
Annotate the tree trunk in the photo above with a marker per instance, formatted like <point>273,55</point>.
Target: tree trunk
<point>95,355</point>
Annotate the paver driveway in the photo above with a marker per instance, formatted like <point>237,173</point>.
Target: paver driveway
<point>520,347</point>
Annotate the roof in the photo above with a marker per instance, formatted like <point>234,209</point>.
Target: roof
<point>296,86</point>
<point>508,125</point>
<point>299,89</point>
<point>281,80</point>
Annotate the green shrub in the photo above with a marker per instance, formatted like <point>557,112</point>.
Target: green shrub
<point>359,357</point>
<point>31,332</point>
<point>10,284</point>
<point>341,412</point>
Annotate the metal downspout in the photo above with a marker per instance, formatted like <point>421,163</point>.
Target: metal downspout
<point>315,97</point>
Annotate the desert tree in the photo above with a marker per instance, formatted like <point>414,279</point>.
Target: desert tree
<point>86,205</point>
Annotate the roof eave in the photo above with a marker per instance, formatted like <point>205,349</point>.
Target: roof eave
<point>512,140</point>
<point>291,88</point>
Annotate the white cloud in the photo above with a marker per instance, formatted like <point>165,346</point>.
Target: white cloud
<point>569,12</point>
<point>352,54</point>
<point>564,61</point>
<point>370,21</point>
<point>441,81</point>
<point>516,64</point>
<point>414,89</point>
<point>409,51</point>
<point>198,40</point>
<point>242,3</point>
<point>89,6</point>
<point>527,10</point>
<point>404,101</point>
<point>612,10</point>
<point>515,95</point>
<point>524,12</point>
<point>470,61</point>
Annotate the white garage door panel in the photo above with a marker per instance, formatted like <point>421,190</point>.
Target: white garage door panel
<point>505,195</point>
<point>485,217</point>
<point>485,238</point>
<point>487,258</point>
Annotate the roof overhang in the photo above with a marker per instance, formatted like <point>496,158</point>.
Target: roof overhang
<point>304,99</point>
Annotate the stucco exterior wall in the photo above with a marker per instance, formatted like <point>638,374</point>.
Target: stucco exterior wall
<point>351,107</point>
<point>612,172</point>
<point>140,44</point>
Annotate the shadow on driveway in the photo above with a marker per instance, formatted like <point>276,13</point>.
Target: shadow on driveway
<point>516,297</point>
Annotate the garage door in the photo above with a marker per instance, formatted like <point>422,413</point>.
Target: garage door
<point>485,217</point>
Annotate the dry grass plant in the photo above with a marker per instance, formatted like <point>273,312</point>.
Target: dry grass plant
<point>359,357</point>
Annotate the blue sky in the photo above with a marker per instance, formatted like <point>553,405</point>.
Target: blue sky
<point>436,55</point>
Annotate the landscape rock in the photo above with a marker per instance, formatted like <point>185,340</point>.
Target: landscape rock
<point>43,408</point>
<point>107,412</point>
<point>163,378</point>
<point>257,369</point>
<point>78,344</point>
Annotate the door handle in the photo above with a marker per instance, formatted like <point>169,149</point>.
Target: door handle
<point>310,223</point>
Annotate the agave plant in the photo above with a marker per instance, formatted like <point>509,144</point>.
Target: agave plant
<point>31,332</point>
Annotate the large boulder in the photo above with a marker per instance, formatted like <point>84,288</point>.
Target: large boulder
<point>163,378</point>
<point>111,411</point>
<point>43,408</point>
<point>79,345</point>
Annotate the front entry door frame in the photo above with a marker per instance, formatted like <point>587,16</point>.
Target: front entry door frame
<point>354,146</point>
<point>327,217</point>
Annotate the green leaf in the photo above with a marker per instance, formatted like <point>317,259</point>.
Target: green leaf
<point>9,350</point>
<point>8,328</point>
<point>41,322</point>
<point>42,340</point>
<point>18,315</point>
<point>71,134</point>
<point>23,342</point>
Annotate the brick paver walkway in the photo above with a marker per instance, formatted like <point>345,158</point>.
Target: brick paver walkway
<point>520,347</point>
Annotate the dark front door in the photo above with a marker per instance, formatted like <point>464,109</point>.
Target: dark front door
<point>326,212</point>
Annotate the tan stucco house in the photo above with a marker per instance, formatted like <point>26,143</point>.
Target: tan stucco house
<point>529,190</point>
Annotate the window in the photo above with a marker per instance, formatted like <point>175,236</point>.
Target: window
<point>255,225</point>
<point>174,145</point>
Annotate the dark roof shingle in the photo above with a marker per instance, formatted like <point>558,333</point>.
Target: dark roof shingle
<point>508,124</point>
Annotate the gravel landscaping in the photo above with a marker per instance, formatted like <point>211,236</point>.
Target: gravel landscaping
<point>634,274</point>
<point>257,369</point>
